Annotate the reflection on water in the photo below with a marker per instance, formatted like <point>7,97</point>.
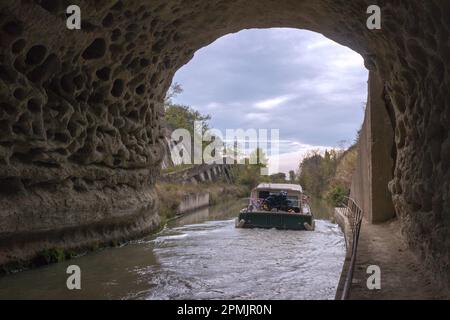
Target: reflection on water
<point>321,209</point>
<point>200,256</point>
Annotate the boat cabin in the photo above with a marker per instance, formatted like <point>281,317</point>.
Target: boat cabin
<point>266,194</point>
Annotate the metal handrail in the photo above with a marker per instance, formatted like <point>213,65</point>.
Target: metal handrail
<point>354,214</point>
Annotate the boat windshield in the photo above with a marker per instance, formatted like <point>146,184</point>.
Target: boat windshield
<point>293,201</point>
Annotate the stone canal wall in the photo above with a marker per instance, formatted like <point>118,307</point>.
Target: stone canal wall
<point>199,173</point>
<point>191,202</point>
<point>375,163</point>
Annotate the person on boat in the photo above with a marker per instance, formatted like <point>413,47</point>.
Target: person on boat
<point>276,201</point>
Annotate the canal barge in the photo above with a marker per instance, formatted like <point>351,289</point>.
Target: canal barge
<point>277,205</point>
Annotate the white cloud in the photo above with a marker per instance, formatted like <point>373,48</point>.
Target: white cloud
<point>347,60</point>
<point>320,44</point>
<point>213,105</point>
<point>272,103</point>
<point>257,116</point>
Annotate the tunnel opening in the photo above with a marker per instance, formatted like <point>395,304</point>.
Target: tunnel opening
<point>220,65</point>
<point>274,78</point>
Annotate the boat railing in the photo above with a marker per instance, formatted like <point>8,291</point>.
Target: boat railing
<point>354,215</point>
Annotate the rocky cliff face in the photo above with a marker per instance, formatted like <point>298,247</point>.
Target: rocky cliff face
<point>80,141</point>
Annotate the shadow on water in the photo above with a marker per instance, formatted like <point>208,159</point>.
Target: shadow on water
<point>200,256</point>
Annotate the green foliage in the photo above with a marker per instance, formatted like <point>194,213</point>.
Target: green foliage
<point>174,90</point>
<point>336,195</point>
<point>316,171</point>
<point>180,116</point>
<point>329,175</point>
<point>279,177</point>
<point>70,254</point>
<point>249,174</point>
<point>258,157</point>
<point>176,168</point>
<point>185,117</point>
<point>53,255</point>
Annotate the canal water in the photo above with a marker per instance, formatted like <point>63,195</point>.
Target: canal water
<point>200,256</point>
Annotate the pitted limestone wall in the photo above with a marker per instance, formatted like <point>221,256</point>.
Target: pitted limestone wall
<point>80,110</point>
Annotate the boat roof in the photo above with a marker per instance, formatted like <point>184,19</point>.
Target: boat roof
<point>280,186</point>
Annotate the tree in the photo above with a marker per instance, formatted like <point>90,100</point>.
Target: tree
<point>328,175</point>
<point>292,176</point>
<point>185,117</point>
<point>259,158</point>
<point>182,116</point>
<point>311,175</point>
<point>279,177</point>
<point>174,90</point>
<point>336,195</point>
<point>249,174</point>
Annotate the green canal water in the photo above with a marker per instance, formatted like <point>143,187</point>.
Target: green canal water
<point>201,256</point>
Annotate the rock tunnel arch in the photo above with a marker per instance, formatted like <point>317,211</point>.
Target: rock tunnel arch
<point>80,140</point>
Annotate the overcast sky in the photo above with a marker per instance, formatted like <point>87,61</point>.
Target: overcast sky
<point>310,88</point>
